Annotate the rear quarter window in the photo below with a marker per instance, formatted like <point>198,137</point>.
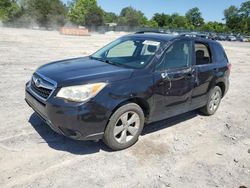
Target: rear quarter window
<point>219,53</point>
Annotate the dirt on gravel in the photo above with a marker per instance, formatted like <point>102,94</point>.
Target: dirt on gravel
<point>190,150</point>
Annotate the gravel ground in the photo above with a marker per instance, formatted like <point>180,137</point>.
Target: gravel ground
<point>189,150</point>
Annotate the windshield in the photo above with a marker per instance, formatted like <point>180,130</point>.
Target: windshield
<point>132,53</point>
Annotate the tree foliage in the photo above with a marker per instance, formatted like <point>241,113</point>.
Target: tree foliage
<point>238,19</point>
<point>178,21</point>
<point>174,21</point>
<point>232,18</point>
<point>9,10</point>
<point>48,13</point>
<point>245,9</point>
<point>214,27</point>
<point>110,17</point>
<point>194,17</point>
<point>86,12</point>
<point>94,16</point>
<point>152,23</point>
<point>245,15</point>
<point>131,17</point>
<point>79,9</point>
<point>161,19</point>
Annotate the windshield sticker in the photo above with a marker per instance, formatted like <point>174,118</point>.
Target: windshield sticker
<point>150,42</point>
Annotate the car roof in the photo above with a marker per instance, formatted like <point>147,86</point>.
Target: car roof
<point>165,37</point>
<point>153,36</point>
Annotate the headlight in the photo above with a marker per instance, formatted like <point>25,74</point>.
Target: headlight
<point>80,93</point>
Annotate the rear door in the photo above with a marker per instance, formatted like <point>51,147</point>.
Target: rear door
<point>205,70</point>
<point>174,78</point>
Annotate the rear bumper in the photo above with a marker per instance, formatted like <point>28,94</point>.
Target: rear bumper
<point>85,121</point>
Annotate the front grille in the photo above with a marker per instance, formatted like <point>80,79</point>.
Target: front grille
<point>43,92</point>
<point>44,88</point>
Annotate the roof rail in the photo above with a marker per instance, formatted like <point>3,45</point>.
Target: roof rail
<point>191,34</point>
<point>198,35</point>
<point>148,31</point>
<point>188,34</point>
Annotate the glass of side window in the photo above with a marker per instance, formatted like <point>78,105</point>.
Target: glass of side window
<point>178,55</point>
<point>202,54</point>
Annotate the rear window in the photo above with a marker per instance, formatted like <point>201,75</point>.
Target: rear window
<point>219,53</point>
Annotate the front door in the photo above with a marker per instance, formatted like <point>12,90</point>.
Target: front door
<point>174,80</point>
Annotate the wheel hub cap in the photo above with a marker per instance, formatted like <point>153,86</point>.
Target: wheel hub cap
<point>126,127</point>
<point>214,102</point>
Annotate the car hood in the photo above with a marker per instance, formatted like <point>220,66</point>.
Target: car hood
<point>83,70</point>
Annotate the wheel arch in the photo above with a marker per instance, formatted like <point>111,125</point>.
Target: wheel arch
<point>137,100</point>
<point>222,87</point>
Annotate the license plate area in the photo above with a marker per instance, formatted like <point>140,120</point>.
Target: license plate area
<point>36,105</point>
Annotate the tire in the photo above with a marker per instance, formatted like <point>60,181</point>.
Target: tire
<point>124,127</point>
<point>214,99</point>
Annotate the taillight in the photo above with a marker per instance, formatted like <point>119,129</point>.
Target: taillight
<point>229,66</point>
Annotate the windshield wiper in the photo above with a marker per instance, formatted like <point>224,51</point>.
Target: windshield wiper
<point>116,63</point>
<point>105,60</point>
<point>111,62</point>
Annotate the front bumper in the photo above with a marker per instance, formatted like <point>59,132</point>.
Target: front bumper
<point>85,121</point>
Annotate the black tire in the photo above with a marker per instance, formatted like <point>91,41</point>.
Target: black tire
<point>207,110</point>
<point>109,136</point>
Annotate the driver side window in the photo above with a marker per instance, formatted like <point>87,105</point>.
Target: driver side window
<point>178,55</point>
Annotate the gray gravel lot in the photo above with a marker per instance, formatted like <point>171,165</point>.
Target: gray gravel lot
<point>189,150</point>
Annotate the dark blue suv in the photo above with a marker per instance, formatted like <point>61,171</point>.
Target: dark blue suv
<point>136,79</point>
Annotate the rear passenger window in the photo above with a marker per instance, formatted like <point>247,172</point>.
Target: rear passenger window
<point>220,55</point>
<point>202,53</point>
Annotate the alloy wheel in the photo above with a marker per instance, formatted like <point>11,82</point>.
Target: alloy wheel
<point>126,127</point>
<point>214,101</point>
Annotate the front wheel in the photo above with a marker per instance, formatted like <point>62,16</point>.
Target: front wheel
<point>213,103</point>
<point>124,127</point>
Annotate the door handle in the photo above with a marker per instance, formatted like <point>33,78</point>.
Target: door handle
<point>190,74</point>
<point>164,75</point>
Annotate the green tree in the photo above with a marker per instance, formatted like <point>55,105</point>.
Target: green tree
<point>244,12</point>
<point>238,19</point>
<point>80,11</point>
<point>131,17</point>
<point>245,9</point>
<point>94,16</point>
<point>9,10</point>
<point>110,17</point>
<point>162,19</point>
<point>58,12</point>
<point>233,19</point>
<point>47,13</point>
<point>178,22</point>
<point>194,17</point>
<point>213,27</point>
<point>152,23</point>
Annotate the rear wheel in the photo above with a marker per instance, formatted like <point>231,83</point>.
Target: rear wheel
<point>124,127</point>
<point>213,103</point>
